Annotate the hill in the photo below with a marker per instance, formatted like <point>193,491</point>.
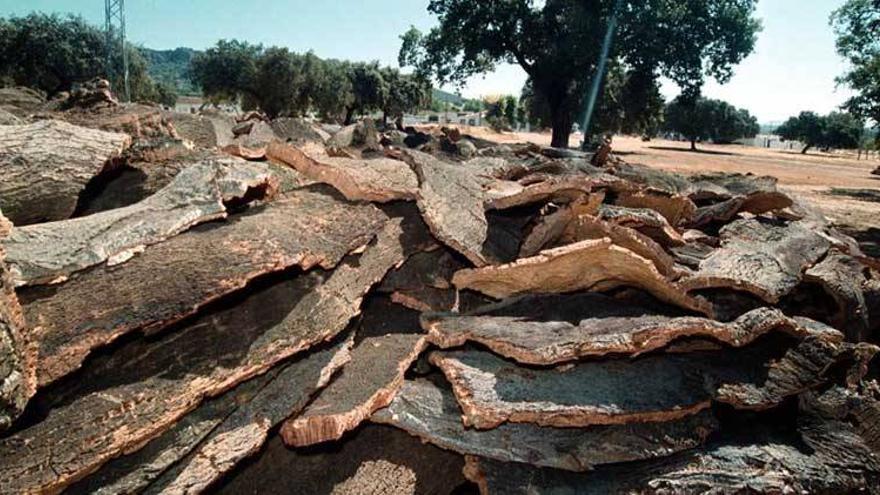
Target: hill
<point>171,67</point>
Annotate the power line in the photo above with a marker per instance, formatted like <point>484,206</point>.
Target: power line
<point>114,15</point>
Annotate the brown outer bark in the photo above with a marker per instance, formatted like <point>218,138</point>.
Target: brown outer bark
<point>17,352</point>
<point>492,391</point>
<point>79,437</point>
<point>368,383</point>
<point>46,165</point>
<point>431,413</point>
<point>244,432</point>
<point>53,251</point>
<point>843,278</point>
<point>451,201</point>
<point>553,342</point>
<point>305,229</point>
<point>674,207</point>
<point>761,257</point>
<point>381,180</point>
<point>586,265</point>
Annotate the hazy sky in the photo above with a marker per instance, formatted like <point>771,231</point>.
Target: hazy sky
<point>793,67</point>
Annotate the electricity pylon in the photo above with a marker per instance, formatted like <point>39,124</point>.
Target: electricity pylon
<point>114,11</point>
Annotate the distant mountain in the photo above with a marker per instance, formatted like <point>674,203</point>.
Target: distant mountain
<point>172,67</point>
<point>445,97</point>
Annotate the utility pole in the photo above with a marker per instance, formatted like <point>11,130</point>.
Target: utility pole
<point>114,14</point>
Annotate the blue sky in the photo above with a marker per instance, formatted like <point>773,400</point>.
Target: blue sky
<point>792,69</point>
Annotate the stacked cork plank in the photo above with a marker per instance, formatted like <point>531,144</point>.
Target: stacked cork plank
<point>280,310</point>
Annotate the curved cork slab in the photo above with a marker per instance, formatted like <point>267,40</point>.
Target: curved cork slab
<point>531,341</point>
<point>304,229</point>
<point>45,166</point>
<point>52,251</point>
<point>381,180</point>
<point>431,413</point>
<point>586,265</point>
<point>368,383</point>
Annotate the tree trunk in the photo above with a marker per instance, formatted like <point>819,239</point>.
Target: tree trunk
<point>384,120</point>
<point>349,115</point>
<point>399,123</point>
<point>561,119</point>
<point>693,145</point>
<point>807,147</point>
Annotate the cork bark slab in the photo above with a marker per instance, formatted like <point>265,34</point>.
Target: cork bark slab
<point>586,265</point>
<point>304,229</point>
<point>674,207</point>
<point>373,460</point>
<point>144,388</point>
<point>492,391</point>
<point>424,281</point>
<point>244,431</point>
<point>648,222</point>
<point>541,189</point>
<point>451,201</point>
<point>240,151</point>
<point>761,257</point>
<point>843,277</point>
<point>381,180</point>
<point>532,341</point>
<point>52,251</point>
<point>837,461</point>
<point>46,165</point>
<point>17,352</point>
<point>368,383</point>
<point>587,227</point>
<point>430,413</point>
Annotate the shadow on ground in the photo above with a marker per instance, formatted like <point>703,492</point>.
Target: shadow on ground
<point>697,151</point>
<point>871,195</point>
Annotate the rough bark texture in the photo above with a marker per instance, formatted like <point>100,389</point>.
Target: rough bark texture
<point>374,460</point>
<point>532,341</point>
<point>431,413</point>
<point>646,221</point>
<point>46,165</point>
<point>451,201</point>
<point>154,384</point>
<point>834,461</point>
<point>675,208</point>
<point>587,265</point>
<point>304,229</point>
<point>762,257</point>
<point>51,252</point>
<point>492,391</point>
<point>381,179</point>
<point>842,277</point>
<point>17,353</point>
<point>368,383</point>
<point>244,431</point>
<point>587,227</point>
<point>541,189</point>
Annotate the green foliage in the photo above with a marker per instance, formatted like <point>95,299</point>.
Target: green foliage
<point>835,130</point>
<point>558,42</point>
<point>52,53</point>
<point>280,82</point>
<point>510,110</point>
<point>857,25</point>
<point>171,68</point>
<point>704,119</point>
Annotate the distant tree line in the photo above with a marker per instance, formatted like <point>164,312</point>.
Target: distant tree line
<point>280,82</point>
<point>836,130</point>
<point>704,119</point>
<point>52,53</point>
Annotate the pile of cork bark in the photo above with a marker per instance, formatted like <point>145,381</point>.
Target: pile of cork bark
<point>191,303</point>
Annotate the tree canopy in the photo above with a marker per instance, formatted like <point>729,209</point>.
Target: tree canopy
<point>857,25</point>
<point>705,119</point>
<point>280,82</point>
<point>835,130</point>
<point>558,44</point>
<point>52,53</point>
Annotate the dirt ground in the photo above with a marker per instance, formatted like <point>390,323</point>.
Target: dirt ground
<point>841,186</point>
